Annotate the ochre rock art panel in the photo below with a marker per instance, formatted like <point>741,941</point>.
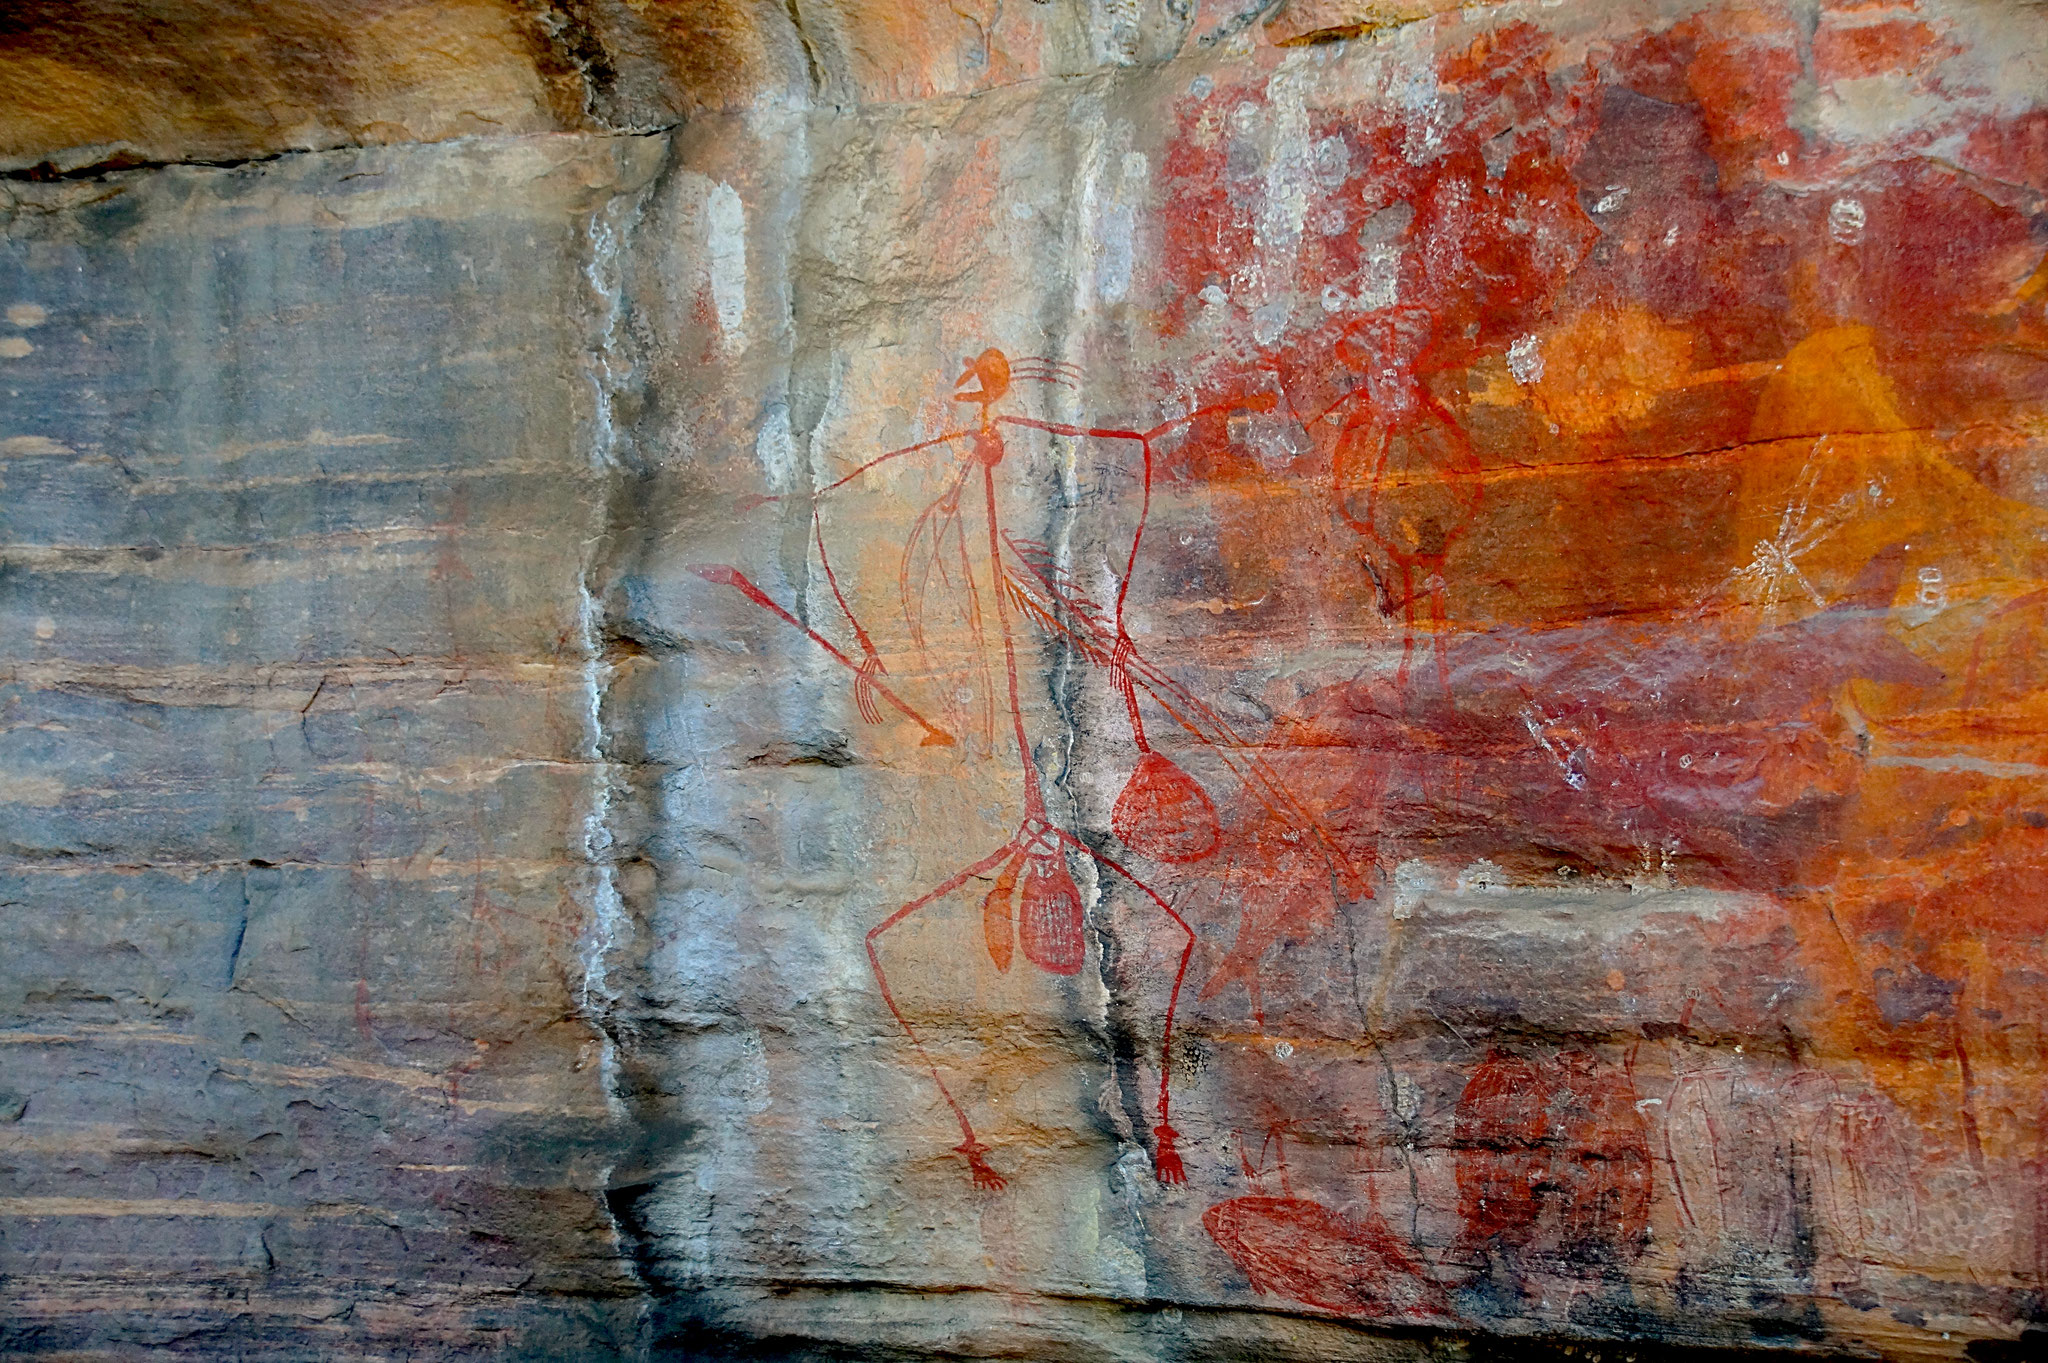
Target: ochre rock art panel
<point>1162,813</point>
<point>1152,680</point>
<point>1486,658</point>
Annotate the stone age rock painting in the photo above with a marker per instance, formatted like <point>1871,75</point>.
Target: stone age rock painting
<point>1162,814</point>
<point>1162,679</point>
<point>1434,646</point>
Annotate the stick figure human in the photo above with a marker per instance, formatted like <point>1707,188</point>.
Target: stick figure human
<point>1035,905</point>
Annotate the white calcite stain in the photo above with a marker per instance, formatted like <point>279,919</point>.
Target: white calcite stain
<point>775,448</point>
<point>1115,28</point>
<point>1413,882</point>
<point>1290,164</point>
<point>1425,119</point>
<point>1295,170</point>
<point>842,423</point>
<point>1379,278</point>
<point>1112,186</point>
<point>1331,163</point>
<point>1116,230</point>
<point>1482,876</point>
<point>1270,321</point>
<point>725,223</point>
<point>27,445</point>
<point>41,792</point>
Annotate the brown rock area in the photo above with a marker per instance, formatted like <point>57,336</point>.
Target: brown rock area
<point>1140,680</point>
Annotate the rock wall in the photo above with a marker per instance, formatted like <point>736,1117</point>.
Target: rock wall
<point>1116,681</point>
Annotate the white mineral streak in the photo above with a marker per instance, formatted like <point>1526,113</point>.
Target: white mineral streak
<point>1290,164</point>
<point>1414,880</point>
<point>1289,187</point>
<point>844,425</point>
<point>1379,280</point>
<point>1525,359</point>
<point>609,232</point>
<point>1114,25</point>
<point>1481,876</point>
<point>1116,230</point>
<point>1424,116</point>
<point>608,928</point>
<point>775,449</point>
<point>1111,187</point>
<point>725,249</point>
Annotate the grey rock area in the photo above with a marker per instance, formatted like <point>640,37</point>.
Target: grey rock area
<point>299,754</point>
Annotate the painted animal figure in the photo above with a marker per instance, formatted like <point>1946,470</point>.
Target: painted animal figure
<point>1296,1247</point>
<point>1035,905</point>
<point>1404,471</point>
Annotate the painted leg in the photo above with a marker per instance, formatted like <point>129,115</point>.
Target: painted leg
<point>1166,1163</point>
<point>984,1177</point>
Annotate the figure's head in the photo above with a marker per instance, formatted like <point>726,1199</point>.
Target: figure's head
<point>1389,338</point>
<point>991,368</point>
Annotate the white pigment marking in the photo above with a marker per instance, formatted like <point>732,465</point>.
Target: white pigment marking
<point>1113,233</point>
<point>1846,221</point>
<point>1290,166</point>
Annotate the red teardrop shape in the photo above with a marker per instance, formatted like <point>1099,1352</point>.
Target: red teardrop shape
<point>996,928</point>
<point>1164,814</point>
<point>1049,917</point>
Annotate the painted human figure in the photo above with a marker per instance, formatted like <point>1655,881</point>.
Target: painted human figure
<point>1404,473</point>
<point>1034,906</point>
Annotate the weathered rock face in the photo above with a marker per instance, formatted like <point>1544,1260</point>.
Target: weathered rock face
<point>298,753</point>
<point>852,681</point>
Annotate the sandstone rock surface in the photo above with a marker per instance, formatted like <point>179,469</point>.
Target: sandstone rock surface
<point>1042,680</point>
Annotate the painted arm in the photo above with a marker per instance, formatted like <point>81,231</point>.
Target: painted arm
<point>1254,402</point>
<point>749,503</point>
<point>727,576</point>
<point>1342,402</point>
<point>871,661</point>
<point>865,687</point>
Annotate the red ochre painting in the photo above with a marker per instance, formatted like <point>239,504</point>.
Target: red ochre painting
<point>1517,662</point>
